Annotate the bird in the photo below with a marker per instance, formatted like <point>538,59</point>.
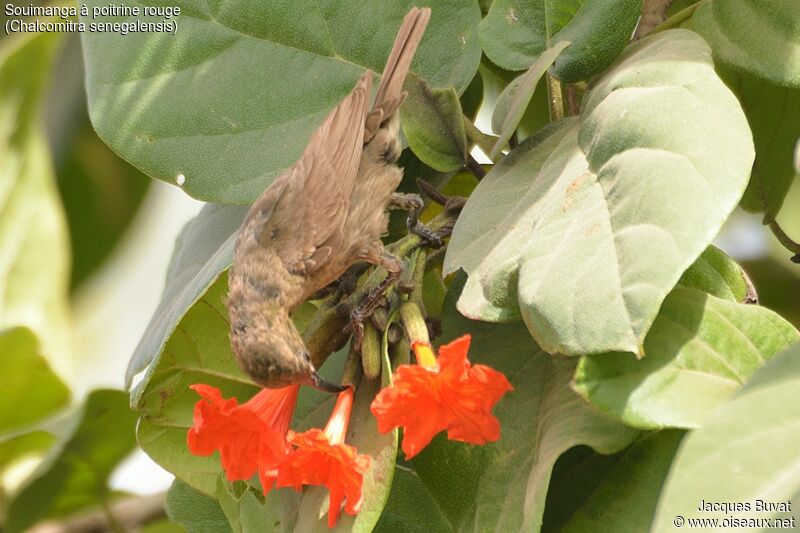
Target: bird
<point>325,213</point>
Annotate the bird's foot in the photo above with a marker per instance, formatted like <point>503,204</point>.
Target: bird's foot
<point>375,297</point>
<point>413,204</point>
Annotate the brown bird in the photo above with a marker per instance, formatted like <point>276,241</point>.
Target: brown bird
<point>325,213</point>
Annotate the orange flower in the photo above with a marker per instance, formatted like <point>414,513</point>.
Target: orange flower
<point>249,437</point>
<point>322,458</point>
<point>444,394</point>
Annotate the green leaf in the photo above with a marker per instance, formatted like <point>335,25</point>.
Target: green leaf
<point>585,228</point>
<point>700,350</point>
<point>195,511</point>
<point>234,95</point>
<point>75,474</point>
<point>502,486</point>
<point>746,452</point>
<point>197,351</point>
<point>576,474</point>
<point>434,125</point>
<point>31,390</point>
<point>514,33</point>
<point>203,249</point>
<point>718,275</point>
<point>749,36</point>
<point>101,192</point>
<point>537,114</point>
<point>18,446</point>
<point>247,511</point>
<point>627,497</point>
<point>514,100</point>
<point>411,508</point>
<point>472,98</point>
<point>598,33</point>
<point>34,252</point>
<point>772,112</point>
<point>797,157</point>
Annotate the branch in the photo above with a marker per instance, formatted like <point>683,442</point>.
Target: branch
<point>129,513</point>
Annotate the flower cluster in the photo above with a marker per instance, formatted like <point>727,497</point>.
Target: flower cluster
<point>254,438</point>
<point>441,394</point>
<point>438,394</point>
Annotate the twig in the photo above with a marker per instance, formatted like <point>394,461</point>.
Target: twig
<point>431,192</point>
<point>783,238</point>
<point>475,167</point>
<point>129,514</point>
<point>751,297</point>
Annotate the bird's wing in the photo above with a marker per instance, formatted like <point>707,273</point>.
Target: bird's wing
<point>301,215</point>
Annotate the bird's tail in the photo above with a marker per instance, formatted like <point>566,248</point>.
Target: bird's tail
<point>390,92</point>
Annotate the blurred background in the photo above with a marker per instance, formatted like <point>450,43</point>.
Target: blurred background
<point>115,242</point>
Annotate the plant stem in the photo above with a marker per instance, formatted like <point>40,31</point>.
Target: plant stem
<point>783,238</point>
<point>555,98</point>
<point>475,167</point>
<point>325,334</point>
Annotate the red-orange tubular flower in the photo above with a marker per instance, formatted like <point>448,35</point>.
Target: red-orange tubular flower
<point>322,458</point>
<point>250,437</point>
<point>447,393</point>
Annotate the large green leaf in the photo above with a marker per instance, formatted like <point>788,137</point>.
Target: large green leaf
<point>515,32</point>
<point>75,474</point>
<point>762,38</point>
<point>195,511</point>
<point>502,486</point>
<point>576,474</point>
<point>203,249</point>
<point>772,112</point>
<point>627,497</point>
<point>411,508</point>
<point>717,274</point>
<point>747,452</point>
<point>434,125</point>
<point>30,388</point>
<point>700,351</point>
<point>101,192</point>
<point>230,100</point>
<point>34,252</point>
<point>198,351</point>
<point>513,101</point>
<point>247,511</point>
<point>584,229</point>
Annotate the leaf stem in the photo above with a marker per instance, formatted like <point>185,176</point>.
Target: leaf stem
<point>475,167</point>
<point>786,241</point>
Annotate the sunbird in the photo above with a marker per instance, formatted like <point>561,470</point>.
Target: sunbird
<point>322,215</point>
